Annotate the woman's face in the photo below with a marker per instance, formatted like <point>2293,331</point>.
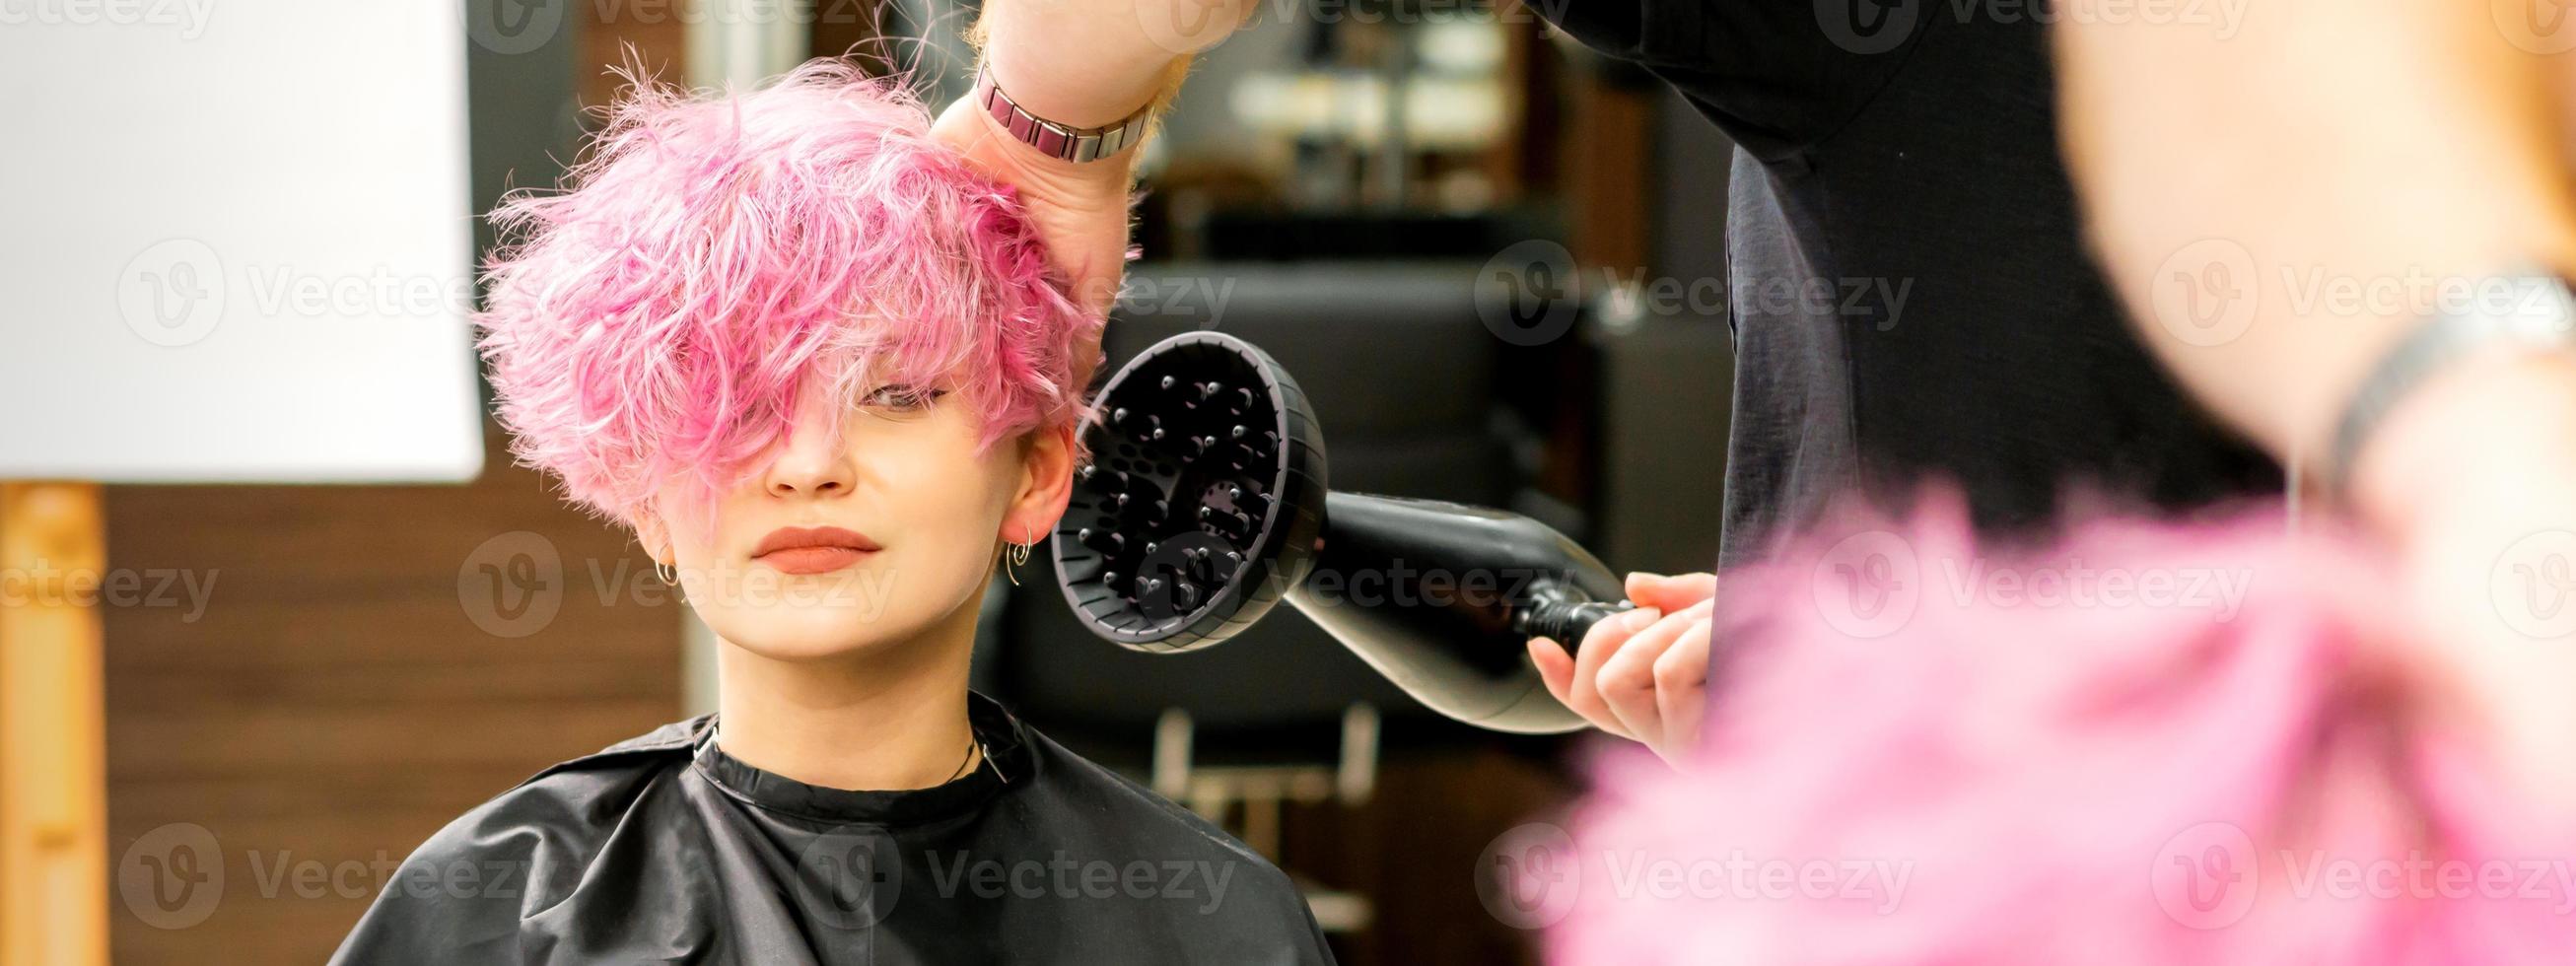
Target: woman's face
<point>835,550</point>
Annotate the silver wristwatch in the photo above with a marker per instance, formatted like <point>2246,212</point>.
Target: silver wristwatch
<point>1053,139</point>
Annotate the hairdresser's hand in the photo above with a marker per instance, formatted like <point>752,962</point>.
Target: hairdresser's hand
<point>2472,478</point>
<point>1083,63</point>
<point>1080,209</point>
<point>2369,147</point>
<point>1641,675</point>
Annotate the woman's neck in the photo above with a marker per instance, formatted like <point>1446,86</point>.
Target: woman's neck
<point>889,720</point>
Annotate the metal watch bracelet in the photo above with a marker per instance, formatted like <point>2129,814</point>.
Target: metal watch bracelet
<point>2540,316</point>
<point>1050,138</point>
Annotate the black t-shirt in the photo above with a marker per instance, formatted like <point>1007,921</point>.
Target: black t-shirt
<point>1911,298</point>
<point>663,849</point>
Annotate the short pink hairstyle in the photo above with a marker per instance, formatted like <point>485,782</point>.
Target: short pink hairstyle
<point>715,259</point>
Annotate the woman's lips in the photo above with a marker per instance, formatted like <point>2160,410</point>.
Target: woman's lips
<point>812,560</point>
<point>813,550</point>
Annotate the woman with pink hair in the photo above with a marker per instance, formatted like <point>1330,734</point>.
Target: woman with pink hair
<point>822,368</point>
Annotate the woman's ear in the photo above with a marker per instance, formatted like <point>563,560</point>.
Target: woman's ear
<point>653,535</point>
<point>1046,486</point>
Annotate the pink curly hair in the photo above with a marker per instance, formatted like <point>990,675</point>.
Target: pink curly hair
<point>717,259</point>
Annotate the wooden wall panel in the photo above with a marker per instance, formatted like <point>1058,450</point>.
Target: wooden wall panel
<point>335,701</point>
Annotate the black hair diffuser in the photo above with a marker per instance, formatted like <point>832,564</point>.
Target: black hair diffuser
<point>1205,504</point>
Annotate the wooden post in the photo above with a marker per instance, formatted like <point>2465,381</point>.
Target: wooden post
<point>53,731</point>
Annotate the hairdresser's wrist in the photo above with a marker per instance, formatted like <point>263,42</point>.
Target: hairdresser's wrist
<point>2492,432</point>
<point>1060,85</point>
<point>1093,63</point>
<point>1022,164</point>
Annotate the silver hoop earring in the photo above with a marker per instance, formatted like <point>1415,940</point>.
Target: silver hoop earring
<point>670,575</point>
<point>1018,557</point>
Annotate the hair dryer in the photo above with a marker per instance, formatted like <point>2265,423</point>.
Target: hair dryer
<point>1205,504</point>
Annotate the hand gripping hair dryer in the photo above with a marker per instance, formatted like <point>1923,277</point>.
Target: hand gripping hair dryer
<point>1205,504</point>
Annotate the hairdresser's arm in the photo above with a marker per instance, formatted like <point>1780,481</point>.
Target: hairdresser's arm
<point>2338,145</point>
<point>1083,63</point>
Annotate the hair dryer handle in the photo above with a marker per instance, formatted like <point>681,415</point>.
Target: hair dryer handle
<point>1565,621</point>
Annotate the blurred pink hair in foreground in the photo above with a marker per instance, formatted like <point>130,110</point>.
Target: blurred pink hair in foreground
<point>1925,751</point>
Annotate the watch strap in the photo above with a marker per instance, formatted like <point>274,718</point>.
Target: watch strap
<point>2538,315</point>
<point>1050,138</point>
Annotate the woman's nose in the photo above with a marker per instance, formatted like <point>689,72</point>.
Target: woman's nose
<point>810,463</point>
<point>821,475</point>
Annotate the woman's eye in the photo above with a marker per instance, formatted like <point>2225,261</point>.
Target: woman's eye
<point>901,398</point>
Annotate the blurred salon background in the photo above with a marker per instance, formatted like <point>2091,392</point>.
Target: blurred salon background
<point>1494,262</point>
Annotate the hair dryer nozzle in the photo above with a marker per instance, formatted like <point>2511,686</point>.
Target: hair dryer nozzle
<point>1203,499</point>
<point>1206,505</point>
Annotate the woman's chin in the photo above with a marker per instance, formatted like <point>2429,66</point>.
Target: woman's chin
<point>828,637</point>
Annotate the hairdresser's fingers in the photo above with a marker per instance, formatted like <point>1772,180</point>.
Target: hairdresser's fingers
<point>1627,679</point>
<point>1555,667</point>
<point>1681,691</point>
<point>1604,640</point>
<point>1670,593</point>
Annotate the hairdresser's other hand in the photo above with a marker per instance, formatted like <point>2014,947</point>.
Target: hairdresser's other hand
<point>1080,209</point>
<point>1641,675</point>
<point>2404,151</point>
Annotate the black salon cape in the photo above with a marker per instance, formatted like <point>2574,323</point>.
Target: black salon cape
<point>663,849</point>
